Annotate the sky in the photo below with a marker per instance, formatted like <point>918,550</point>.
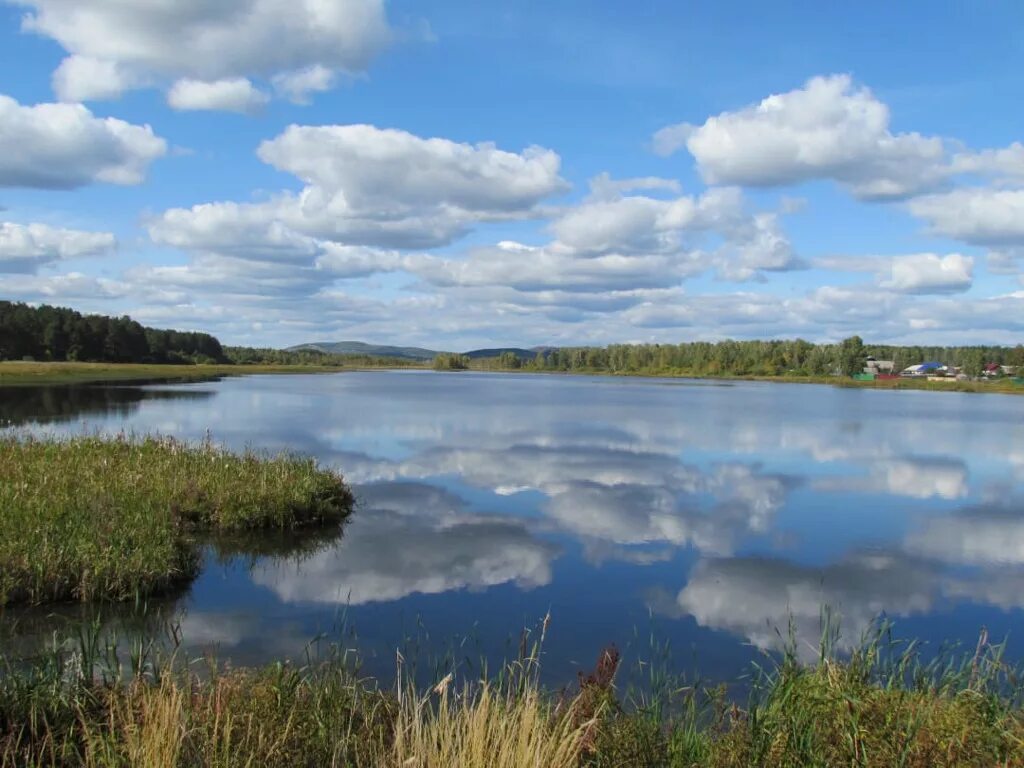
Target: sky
<point>458,174</point>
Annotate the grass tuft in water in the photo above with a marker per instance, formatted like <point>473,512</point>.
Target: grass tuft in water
<point>96,518</point>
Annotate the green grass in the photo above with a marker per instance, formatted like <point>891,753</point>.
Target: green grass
<point>31,373</point>
<point>1004,386</point>
<point>881,706</point>
<point>91,517</point>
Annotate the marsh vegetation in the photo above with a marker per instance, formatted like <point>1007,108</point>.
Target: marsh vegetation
<point>91,517</point>
<point>882,705</point>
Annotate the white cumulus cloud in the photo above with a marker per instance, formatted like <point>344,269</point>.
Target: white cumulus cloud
<point>976,215</point>
<point>1006,161</point>
<point>25,247</point>
<point>133,44</point>
<point>612,242</point>
<point>73,286</point>
<point>81,78</point>
<point>375,167</point>
<point>236,94</point>
<point>931,273</point>
<point>63,146</point>
<point>373,186</point>
<point>297,86</point>
<point>828,129</point>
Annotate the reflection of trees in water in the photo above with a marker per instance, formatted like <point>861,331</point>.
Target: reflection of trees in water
<point>157,623</point>
<point>47,405</point>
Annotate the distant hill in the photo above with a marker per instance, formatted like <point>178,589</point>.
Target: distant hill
<point>522,354</point>
<point>374,350</point>
<point>405,353</point>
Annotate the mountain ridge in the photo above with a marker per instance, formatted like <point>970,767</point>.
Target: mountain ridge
<point>405,353</point>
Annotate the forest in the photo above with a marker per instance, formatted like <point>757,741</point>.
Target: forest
<point>62,334</point>
<point>755,358</point>
<point>270,356</point>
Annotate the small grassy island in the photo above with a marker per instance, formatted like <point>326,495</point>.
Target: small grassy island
<point>92,518</point>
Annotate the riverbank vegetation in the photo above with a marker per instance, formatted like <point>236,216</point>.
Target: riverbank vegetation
<point>59,333</point>
<point>450,362</point>
<point>90,517</point>
<point>17,374</point>
<point>276,358</point>
<point>60,345</point>
<point>42,373</point>
<point>882,705</point>
<point>55,345</point>
<point>790,358</point>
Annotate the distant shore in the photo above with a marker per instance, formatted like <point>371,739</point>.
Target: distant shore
<point>1001,386</point>
<point>13,373</point>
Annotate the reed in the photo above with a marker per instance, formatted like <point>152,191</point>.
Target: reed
<point>884,704</point>
<point>92,517</point>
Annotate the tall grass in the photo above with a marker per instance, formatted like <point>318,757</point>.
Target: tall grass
<point>92,517</point>
<point>83,705</point>
<point>887,703</point>
<point>883,705</point>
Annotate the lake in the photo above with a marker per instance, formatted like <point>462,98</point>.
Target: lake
<point>708,516</point>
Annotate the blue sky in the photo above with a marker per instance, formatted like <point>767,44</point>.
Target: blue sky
<point>461,174</point>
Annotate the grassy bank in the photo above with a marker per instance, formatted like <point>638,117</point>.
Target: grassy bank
<point>90,517</point>
<point>999,386</point>
<point>879,707</point>
<point>25,373</point>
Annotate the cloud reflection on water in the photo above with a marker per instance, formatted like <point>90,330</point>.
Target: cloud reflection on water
<point>410,538</point>
<point>549,485</point>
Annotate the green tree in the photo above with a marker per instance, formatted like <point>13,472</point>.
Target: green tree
<point>851,356</point>
<point>450,362</point>
<point>509,360</point>
<point>972,362</point>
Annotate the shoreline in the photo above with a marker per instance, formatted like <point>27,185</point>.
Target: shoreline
<point>25,374</point>
<point>28,374</point>
<point>1005,387</point>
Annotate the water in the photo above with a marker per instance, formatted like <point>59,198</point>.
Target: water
<point>706,515</point>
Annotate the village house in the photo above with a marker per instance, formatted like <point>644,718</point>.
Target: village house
<point>879,367</point>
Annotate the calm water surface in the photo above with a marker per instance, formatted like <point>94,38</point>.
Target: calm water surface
<point>709,515</point>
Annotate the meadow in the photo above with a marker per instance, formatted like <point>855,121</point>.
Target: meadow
<point>90,517</point>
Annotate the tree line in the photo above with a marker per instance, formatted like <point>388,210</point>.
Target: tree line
<point>269,356</point>
<point>62,334</point>
<point>449,361</point>
<point>754,358</point>
<point>59,334</point>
